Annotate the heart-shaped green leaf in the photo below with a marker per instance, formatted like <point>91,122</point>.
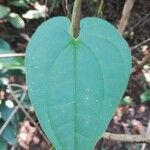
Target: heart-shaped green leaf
<point>75,85</point>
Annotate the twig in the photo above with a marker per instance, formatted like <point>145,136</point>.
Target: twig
<point>13,147</point>
<point>135,60</point>
<point>66,8</point>
<point>140,22</point>
<point>75,23</point>
<point>140,64</point>
<point>125,15</point>
<point>12,55</point>
<point>45,3</point>
<point>145,60</point>
<point>52,6</point>
<point>12,114</point>
<point>19,86</point>
<point>147,133</point>
<point>127,138</point>
<point>140,44</point>
<point>27,115</point>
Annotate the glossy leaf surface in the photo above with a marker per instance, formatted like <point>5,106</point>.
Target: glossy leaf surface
<point>16,20</point>
<point>75,85</point>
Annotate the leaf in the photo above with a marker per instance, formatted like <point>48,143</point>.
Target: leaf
<point>4,46</point>
<point>16,20</point>
<point>9,134</point>
<point>18,3</point>
<point>5,49</point>
<point>16,64</point>
<point>10,63</point>
<point>3,144</point>
<point>5,112</point>
<point>101,29</point>
<point>4,11</point>
<point>145,97</point>
<point>34,14</point>
<point>76,83</point>
<point>127,100</point>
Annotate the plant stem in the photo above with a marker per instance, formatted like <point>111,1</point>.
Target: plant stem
<point>12,114</point>
<point>127,138</point>
<point>75,22</point>
<point>125,15</point>
<point>12,55</point>
<point>100,9</point>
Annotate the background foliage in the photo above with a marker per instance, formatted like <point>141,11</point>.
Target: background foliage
<point>18,20</point>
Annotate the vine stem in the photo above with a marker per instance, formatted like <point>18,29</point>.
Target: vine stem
<point>75,21</point>
<point>127,138</point>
